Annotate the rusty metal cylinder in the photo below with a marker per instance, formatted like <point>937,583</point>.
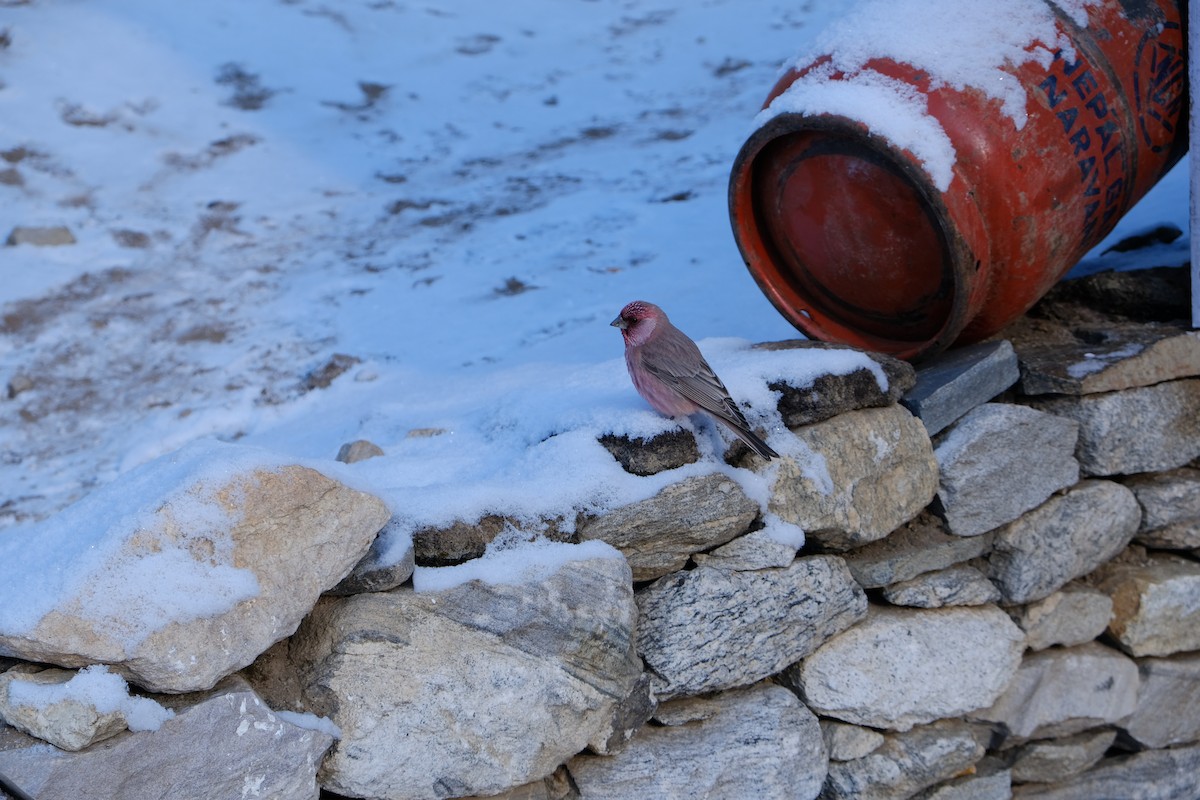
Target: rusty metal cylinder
<point>854,238</point>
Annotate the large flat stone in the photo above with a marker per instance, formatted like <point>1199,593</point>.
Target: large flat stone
<point>1170,504</point>
<point>757,742</point>
<point>866,473</point>
<point>1001,460</point>
<point>204,559</point>
<point>1156,602</point>
<point>920,545</point>
<point>709,629</point>
<point>903,667</point>
<point>658,535</point>
<point>221,744</point>
<point>474,689</point>
<point>1146,429</point>
<point>1062,691</point>
<point>958,380</point>
<point>1152,775</point>
<point>1114,357</point>
<point>1075,614</point>
<point>1064,538</point>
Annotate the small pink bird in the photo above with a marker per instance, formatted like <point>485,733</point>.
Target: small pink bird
<point>669,371</point>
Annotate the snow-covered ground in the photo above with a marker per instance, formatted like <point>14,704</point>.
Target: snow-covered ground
<point>439,206</point>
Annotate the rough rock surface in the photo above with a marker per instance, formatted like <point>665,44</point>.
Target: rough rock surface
<point>1064,538</point>
<point>1168,702</point>
<point>460,541</point>
<point>658,535</point>
<point>1075,614</point>
<point>754,742</point>
<point>907,763</point>
<point>289,531</point>
<point>668,450</point>
<point>999,461</point>
<point>829,395</point>
<point>1063,691</point>
<point>903,667</point>
<point>384,567</point>
<point>868,473</point>
<point>475,689</point>
<point>220,744</point>
<point>70,724</point>
<point>959,380</point>
<point>1116,357</point>
<point>846,742</point>
<point>960,585</point>
<point>1152,775</point>
<point>1170,508</point>
<point>989,779</point>
<point>710,629</point>
<point>919,546</point>
<point>755,550</point>
<point>1138,430</point>
<point>1156,602</point>
<point>358,450</point>
<point>1054,760</point>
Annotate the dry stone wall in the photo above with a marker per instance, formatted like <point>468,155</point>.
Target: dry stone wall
<point>999,596</point>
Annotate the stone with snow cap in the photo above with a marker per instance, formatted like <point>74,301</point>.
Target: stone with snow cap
<point>659,534</point>
<point>187,568</point>
<point>849,382</point>
<point>69,721</point>
<point>486,679</point>
<point>859,476</point>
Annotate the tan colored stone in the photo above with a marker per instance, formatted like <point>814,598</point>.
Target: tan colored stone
<point>866,473</point>
<point>257,545</point>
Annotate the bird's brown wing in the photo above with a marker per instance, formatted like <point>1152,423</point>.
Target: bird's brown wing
<point>677,362</point>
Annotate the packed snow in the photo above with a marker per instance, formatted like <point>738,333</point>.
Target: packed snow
<point>310,722</point>
<point>93,686</point>
<point>299,225</point>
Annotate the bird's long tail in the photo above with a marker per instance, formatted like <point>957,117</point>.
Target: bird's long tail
<point>752,441</point>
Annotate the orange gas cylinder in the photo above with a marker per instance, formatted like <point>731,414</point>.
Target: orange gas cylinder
<point>857,239</point>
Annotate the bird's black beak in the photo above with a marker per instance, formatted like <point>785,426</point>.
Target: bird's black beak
<point>620,322</point>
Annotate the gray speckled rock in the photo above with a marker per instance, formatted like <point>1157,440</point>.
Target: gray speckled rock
<point>659,534</point>
<point>902,667</point>
<point>221,744</point>
<point>907,763</point>
<point>1001,460</point>
<point>1170,508</point>
<point>1064,538</point>
<point>754,742</point>
<point>1156,602</point>
<point>919,546</point>
<point>1168,703</point>
<point>474,689</point>
<point>1152,775</point>
<point>1053,760</point>
<point>1147,429</point>
<point>960,585</point>
<point>1062,691</point>
<point>1075,614</point>
<point>710,629</point>
<point>958,380</point>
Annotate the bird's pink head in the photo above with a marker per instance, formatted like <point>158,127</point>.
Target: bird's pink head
<point>638,320</point>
